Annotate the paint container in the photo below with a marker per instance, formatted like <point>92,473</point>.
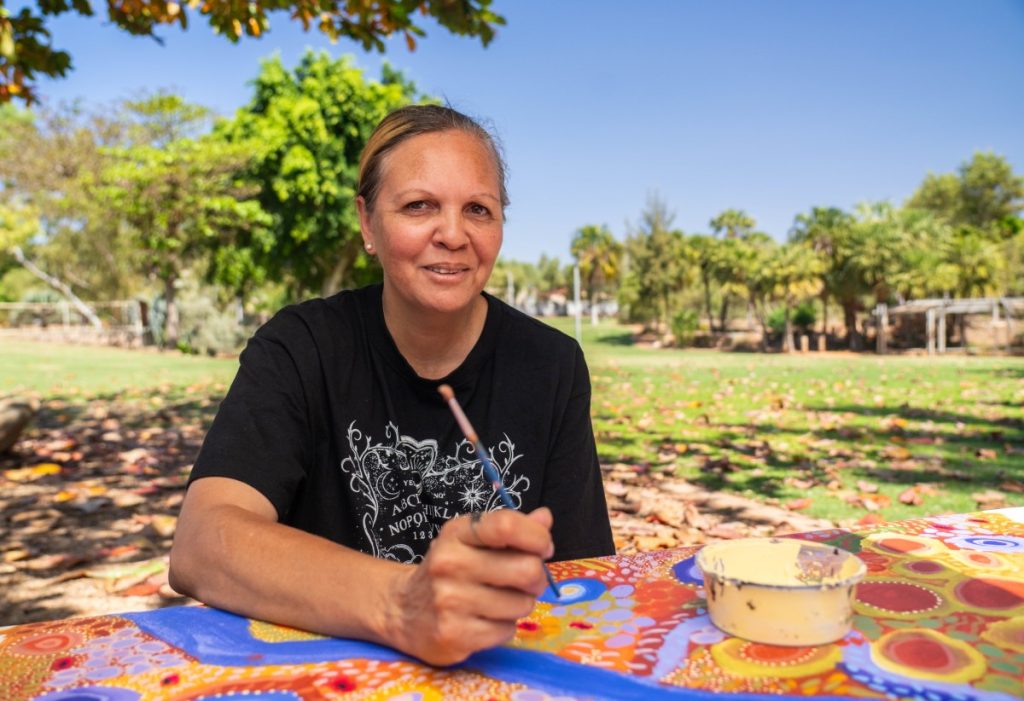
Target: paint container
<point>780,591</point>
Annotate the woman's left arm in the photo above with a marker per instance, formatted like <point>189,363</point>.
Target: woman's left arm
<point>572,478</point>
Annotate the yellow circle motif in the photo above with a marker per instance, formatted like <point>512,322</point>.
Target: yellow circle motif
<point>926,654</point>
<point>1008,634</point>
<point>746,659</point>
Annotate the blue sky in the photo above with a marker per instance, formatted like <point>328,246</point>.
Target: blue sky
<point>770,107</point>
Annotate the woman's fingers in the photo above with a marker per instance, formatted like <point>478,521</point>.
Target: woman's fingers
<point>480,575</point>
<point>507,529</point>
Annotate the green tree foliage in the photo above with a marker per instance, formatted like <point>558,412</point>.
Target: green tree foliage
<point>827,230</point>
<point>50,162</point>
<point>25,48</point>
<point>733,223</point>
<point>599,256</point>
<point>659,266</point>
<point>306,129</point>
<point>706,252</point>
<point>792,275</point>
<point>985,193</point>
<point>735,227</point>
<point>179,193</point>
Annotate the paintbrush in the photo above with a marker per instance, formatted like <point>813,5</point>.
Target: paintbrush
<point>490,471</point>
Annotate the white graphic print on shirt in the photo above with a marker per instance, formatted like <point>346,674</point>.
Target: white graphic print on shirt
<point>405,491</point>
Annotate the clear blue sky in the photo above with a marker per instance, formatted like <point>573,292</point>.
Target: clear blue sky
<point>770,107</point>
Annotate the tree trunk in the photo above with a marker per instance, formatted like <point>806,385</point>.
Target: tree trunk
<point>824,313</point>
<point>853,339</point>
<point>172,324</point>
<point>707,300</point>
<point>338,277</point>
<point>762,319</point>
<point>787,332</point>
<point>83,308</point>
<point>723,312</point>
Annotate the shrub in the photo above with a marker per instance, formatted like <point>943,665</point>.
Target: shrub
<point>802,316</point>
<point>684,325</point>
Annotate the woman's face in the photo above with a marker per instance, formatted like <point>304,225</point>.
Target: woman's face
<point>437,223</point>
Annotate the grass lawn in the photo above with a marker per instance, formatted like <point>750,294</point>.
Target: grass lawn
<point>64,371</point>
<point>838,436</point>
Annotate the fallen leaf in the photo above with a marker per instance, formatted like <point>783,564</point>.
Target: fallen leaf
<point>911,497</point>
<point>1014,486</point>
<point>164,525</point>
<point>870,519</point>
<point>989,499</point>
<point>16,555</point>
<point>799,504</point>
<point>143,589</point>
<point>986,454</point>
<point>28,474</point>
<point>896,452</point>
<point>867,487</point>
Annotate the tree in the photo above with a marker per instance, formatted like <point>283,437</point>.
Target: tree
<point>827,231</point>
<point>599,255</point>
<point>50,162</point>
<point>180,194</point>
<point>706,251</point>
<point>733,223</point>
<point>306,129</point>
<point>25,48</point>
<point>658,266</point>
<point>792,274</point>
<point>984,193</point>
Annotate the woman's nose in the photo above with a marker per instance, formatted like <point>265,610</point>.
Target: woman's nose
<point>451,230</point>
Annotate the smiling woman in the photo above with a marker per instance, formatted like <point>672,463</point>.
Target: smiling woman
<point>333,490</point>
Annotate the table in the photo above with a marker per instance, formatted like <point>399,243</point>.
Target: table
<point>940,616</point>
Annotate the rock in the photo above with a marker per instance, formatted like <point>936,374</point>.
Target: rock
<point>15,415</point>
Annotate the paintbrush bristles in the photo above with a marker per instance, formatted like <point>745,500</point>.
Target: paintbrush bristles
<point>460,417</point>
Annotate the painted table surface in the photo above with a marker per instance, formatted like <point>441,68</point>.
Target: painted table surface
<point>940,615</point>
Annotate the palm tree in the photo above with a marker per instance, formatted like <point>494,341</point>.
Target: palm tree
<point>734,223</point>
<point>826,230</point>
<point>793,273</point>
<point>599,256</point>
<point>706,254</point>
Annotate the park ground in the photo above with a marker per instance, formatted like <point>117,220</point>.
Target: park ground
<point>694,446</point>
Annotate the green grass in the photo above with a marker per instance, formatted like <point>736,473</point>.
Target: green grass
<point>826,427</point>
<point>63,371</point>
<point>830,428</point>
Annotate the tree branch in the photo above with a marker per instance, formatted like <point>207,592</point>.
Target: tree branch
<point>83,308</point>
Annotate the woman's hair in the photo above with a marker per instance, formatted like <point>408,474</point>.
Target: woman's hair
<point>413,120</point>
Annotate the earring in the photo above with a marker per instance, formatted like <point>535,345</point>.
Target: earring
<point>369,248</point>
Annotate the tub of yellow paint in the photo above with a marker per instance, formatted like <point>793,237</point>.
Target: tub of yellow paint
<point>780,591</point>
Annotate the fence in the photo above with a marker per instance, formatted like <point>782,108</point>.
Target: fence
<point>123,323</point>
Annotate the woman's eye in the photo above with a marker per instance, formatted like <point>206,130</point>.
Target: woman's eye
<point>478,210</point>
<point>418,206</point>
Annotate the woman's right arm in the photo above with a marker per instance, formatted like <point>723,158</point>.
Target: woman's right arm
<point>230,552</point>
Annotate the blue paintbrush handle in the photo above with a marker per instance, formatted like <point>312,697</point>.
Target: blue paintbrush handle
<point>491,472</point>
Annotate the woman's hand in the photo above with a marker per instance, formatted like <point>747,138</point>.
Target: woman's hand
<point>477,579</point>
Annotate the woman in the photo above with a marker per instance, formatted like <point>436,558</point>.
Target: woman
<point>334,492</point>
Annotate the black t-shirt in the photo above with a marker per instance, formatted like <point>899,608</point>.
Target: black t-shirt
<point>329,422</point>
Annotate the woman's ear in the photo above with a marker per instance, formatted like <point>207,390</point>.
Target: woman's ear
<point>364,224</point>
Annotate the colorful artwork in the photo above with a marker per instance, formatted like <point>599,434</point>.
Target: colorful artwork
<point>940,616</point>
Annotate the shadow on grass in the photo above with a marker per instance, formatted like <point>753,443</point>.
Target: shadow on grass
<point>616,339</point>
<point>745,456</point>
<point>100,509</point>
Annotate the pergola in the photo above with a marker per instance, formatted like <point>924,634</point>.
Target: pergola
<point>936,311</point>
